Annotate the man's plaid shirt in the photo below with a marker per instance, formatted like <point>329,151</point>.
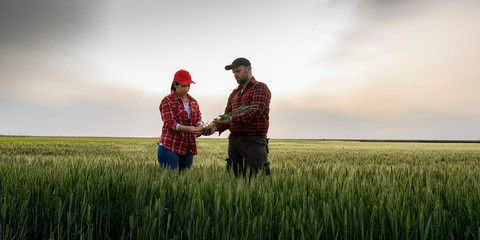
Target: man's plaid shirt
<point>250,122</point>
<point>173,113</point>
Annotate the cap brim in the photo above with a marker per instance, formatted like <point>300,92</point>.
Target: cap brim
<point>187,82</point>
<point>229,67</point>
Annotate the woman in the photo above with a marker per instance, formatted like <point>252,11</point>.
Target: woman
<point>182,123</point>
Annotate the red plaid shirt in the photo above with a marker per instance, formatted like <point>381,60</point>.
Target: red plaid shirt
<point>174,113</point>
<point>251,121</point>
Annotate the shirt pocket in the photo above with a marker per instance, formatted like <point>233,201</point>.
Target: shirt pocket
<point>247,99</point>
<point>181,115</point>
<point>194,113</point>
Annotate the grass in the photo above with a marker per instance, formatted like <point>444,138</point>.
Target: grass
<point>113,188</point>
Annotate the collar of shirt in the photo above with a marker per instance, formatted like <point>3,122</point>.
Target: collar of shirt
<point>174,96</point>
<point>250,83</point>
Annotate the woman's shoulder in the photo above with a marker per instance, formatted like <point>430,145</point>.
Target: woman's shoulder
<point>190,98</point>
<point>170,97</point>
<point>170,100</point>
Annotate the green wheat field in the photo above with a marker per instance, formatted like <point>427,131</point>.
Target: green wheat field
<point>113,188</point>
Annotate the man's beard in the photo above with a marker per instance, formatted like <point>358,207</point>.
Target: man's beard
<point>243,80</point>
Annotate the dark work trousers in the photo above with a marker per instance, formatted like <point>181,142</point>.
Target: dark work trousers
<point>248,153</point>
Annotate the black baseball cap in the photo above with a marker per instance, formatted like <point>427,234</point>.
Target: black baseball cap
<point>238,62</point>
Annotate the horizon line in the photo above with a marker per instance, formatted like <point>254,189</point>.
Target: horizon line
<point>299,139</point>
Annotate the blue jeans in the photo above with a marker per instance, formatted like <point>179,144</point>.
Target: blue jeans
<point>173,160</point>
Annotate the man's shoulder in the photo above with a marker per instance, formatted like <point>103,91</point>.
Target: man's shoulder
<point>255,82</point>
<point>235,90</point>
<point>261,85</point>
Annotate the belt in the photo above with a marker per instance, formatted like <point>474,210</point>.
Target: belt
<point>247,134</point>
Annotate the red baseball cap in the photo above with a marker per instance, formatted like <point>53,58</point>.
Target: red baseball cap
<point>183,77</point>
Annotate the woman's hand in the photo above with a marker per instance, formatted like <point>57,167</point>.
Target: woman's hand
<point>191,129</point>
<point>196,130</point>
<point>201,126</point>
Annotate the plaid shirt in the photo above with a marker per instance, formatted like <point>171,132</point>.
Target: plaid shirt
<point>253,121</point>
<point>174,113</point>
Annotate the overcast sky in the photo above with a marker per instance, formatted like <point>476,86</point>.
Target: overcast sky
<point>359,69</point>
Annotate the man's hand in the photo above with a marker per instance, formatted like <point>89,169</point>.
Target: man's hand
<point>223,122</point>
<point>210,131</point>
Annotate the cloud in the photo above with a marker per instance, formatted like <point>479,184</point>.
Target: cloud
<point>50,93</point>
<point>290,121</point>
<point>362,69</point>
<point>30,23</point>
<point>401,70</point>
<point>49,98</point>
<point>399,60</point>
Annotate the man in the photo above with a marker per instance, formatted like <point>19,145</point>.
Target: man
<point>248,142</point>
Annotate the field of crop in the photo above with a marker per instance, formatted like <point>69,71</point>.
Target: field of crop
<point>113,188</point>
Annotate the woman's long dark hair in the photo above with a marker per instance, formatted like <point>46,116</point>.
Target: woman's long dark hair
<point>173,88</point>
